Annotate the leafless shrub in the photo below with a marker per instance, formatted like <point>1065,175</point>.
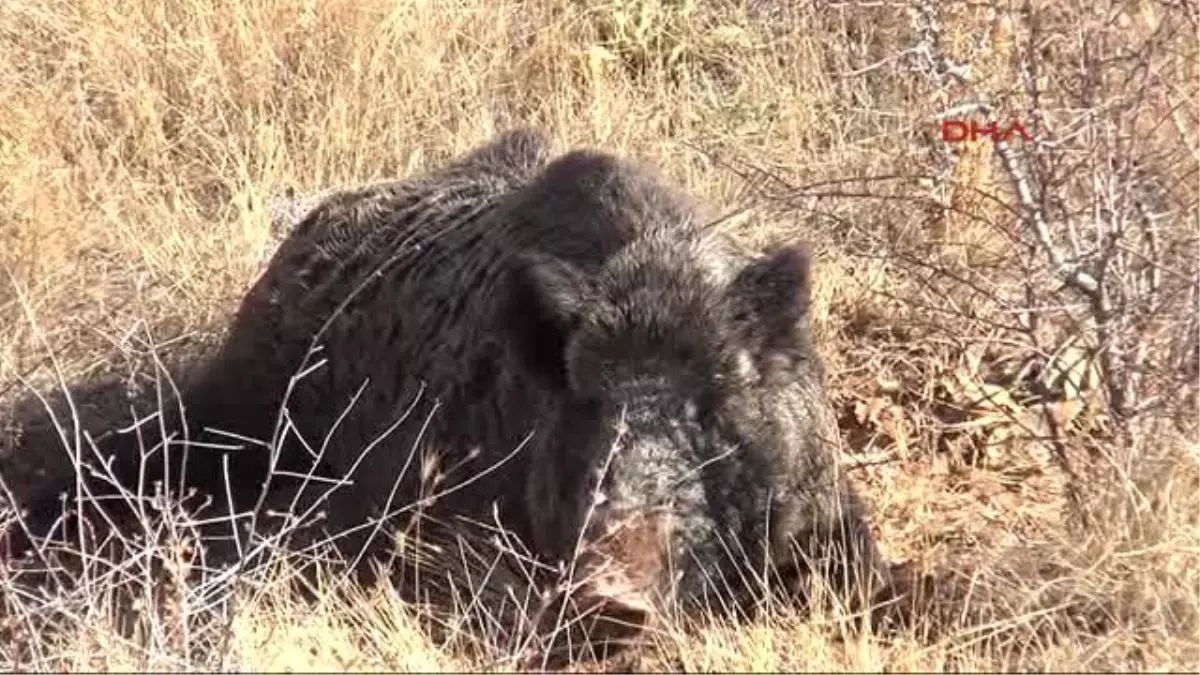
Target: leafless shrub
<point>1070,243</point>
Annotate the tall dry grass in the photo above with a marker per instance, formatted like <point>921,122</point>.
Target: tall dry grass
<point>142,144</point>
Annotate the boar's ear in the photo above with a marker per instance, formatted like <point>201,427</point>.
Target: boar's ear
<point>770,296</point>
<point>545,299</point>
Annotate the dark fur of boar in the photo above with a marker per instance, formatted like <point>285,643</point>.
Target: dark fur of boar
<point>559,345</point>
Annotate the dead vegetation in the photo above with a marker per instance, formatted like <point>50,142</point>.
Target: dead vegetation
<point>1011,326</point>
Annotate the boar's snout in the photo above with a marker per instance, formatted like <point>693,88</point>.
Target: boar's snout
<point>619,571</point>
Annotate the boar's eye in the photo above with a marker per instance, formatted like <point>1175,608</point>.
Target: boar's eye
<point>701,409</point>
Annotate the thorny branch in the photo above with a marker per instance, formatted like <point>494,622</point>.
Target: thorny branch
<point>1121,281</point>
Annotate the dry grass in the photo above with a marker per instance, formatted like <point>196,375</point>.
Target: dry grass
<point>142,142</point>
